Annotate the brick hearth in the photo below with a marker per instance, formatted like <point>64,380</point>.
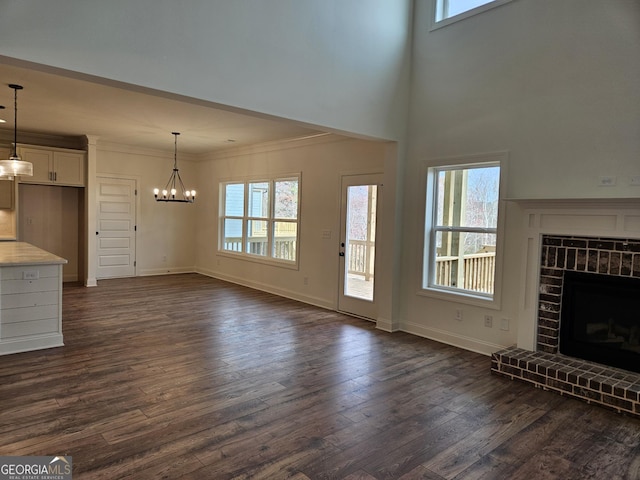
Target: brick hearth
<point>610,387</point>
<point>546,368</point>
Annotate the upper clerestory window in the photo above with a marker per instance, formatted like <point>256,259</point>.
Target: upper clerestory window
<point>450,11</point>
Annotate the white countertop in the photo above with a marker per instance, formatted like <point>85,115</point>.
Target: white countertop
<point>21,253</point>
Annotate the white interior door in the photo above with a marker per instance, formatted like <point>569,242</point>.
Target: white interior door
<point>116,221</point>
<point>360,195</point>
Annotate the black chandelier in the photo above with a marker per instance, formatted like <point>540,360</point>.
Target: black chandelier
<point>175,186</point>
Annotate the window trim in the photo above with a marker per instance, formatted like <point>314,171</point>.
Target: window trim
<point>435,24</point>
<point>270,219</point>
<point>429,213</point>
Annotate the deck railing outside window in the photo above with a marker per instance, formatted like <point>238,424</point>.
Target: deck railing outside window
<point>285,247</point>
<point>478,271</point>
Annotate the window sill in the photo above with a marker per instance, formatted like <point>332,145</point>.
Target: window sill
<point>464,297</point>
<point>462,16</point>
<point>257,259</point>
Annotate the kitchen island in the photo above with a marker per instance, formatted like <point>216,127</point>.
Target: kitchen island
<point>30,298</point>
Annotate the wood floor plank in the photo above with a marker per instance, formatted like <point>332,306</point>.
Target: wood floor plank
<point>422,447</point>
<point>488,468</point>
<point>459,457</point>
<point>188,377</point>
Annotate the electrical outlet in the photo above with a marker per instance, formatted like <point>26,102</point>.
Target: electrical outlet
<point>607,181</point>
<point>30,274</point>
<point>634,180</point>
<point>488,321</point>
<point>504,324</point>
<point>458,314</point>
<point>306,280</point>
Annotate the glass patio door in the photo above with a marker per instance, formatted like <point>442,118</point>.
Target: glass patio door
<point>357,251</point>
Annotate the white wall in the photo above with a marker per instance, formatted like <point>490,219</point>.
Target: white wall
<point>553,83</point>
<point>164,229</point>
<point>342,64</point>
<point>321,163</point>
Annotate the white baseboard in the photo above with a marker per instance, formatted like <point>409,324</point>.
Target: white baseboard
<point>32,343</point>
<point>456,340</point>
<point>317,301</point>
<point>165,271</point>
<point>70,277</point>
<point>387,325</point>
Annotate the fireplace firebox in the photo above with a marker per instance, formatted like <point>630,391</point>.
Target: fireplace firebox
<point>601,319</point>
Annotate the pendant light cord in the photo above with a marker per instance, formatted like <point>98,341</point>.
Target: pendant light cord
<point>15,122</point>
<point>175,150</point>
<point>15,117</point>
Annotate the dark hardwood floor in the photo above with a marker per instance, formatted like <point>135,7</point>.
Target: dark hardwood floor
<point>189,377</point>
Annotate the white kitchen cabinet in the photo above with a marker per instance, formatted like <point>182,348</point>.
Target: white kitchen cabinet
<point>30,298</point>
<point>54,166</point>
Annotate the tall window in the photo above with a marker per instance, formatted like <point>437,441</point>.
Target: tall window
<point>260,218</point>
<point>462,227</point>
<point>459,9</point>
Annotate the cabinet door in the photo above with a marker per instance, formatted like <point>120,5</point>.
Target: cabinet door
<point>6,194</point>
<point>68,168</point>
<point>6,186</point>
<point>42,161</point>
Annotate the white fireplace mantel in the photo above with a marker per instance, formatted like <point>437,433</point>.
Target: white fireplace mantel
<point>605,218</point>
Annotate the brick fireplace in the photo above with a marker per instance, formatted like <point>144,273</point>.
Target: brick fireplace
<point>552,254</point>
<point>605,256</point>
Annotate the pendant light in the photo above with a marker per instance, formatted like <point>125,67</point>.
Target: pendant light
<point>15,166</point>
<point>174,191</point>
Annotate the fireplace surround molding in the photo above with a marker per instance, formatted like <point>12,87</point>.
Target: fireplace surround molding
<point>589,219</point>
